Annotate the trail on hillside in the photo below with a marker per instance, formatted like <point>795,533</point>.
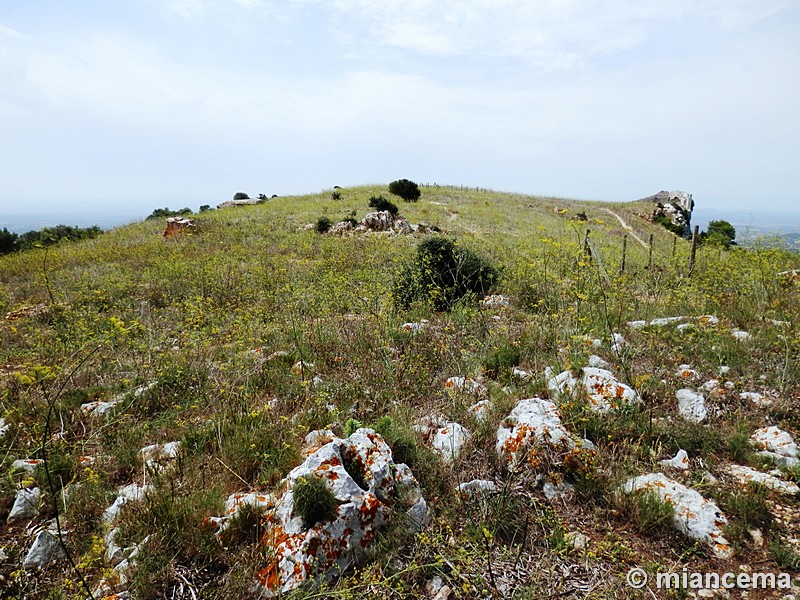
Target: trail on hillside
<point>627,228</point>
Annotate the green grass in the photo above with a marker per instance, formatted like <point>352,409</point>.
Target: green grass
<point>198,317</point>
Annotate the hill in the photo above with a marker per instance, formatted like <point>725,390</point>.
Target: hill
<point>244,402</point>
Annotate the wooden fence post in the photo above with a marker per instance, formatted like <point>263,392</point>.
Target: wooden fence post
<point>624,253</point>
<point>693,254</point>
<point>650,255</point>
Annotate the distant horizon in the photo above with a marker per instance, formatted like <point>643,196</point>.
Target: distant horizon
<point>117,213</point>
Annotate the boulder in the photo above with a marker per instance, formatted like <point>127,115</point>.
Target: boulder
<point>157,456</point>
<point>605,392</point>
<point>676,207</point>
<point>310,554</point>
<point>4,427</point>
<point>680,461</point>
<point>477,488</point>
<point>177,226</point>
<point>695,516</point>
<point>776,444</point>
<point>466,384</point>
<point>691,405</point>
<point>747,475</point>
<point>449,439</point>
<point>27,465</point>
<point>532,422</point>
<point>26,505</point>
<point>45,549</point>
<point>378,221</point>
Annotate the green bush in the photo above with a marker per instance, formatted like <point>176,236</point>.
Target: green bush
<point>407,190</point>
<point>162,213</point>
<point>313,501</point>
<point>241,196</point>
<point>500,360</point>
<point>442,273</point>
<point>381,203</point>
<point>323,224</point>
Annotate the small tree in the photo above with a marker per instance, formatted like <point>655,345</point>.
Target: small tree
<point>407,190</point>
<point>8,241</point>
<point>719,233</point>
<point>241,196</point>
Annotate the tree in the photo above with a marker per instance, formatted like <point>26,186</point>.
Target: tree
<point>241,196</point>
<point>407,190</point>
<point>719,233</point>
<point>8,241</point>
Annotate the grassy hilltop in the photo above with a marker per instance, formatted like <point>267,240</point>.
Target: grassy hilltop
<point>198,319</point>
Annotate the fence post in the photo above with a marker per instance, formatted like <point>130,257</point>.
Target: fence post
<point>674,245</point>
<point>624,253</point>
<point>693,254</point>
<point>586,249</point>
<point>650,255</point>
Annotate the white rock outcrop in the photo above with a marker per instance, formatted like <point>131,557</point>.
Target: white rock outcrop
<point>680,461</point>
<point>691,405</point>
<point>26,505</point>
<point>449,439</point>
<point>477,488</point>
<point>747,475</point>
<point>44,550</point>
<point>532,422</point>
<point>603,390</point>
<point>306,555</point>
<point>467,385</point>
<point>695,516</point>
<point>776,444</point>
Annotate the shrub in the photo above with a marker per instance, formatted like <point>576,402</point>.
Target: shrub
<point>162,213</point>
<point>442,273</point>
<point>241,196</point>
<point>323,224</point>
<point>720,233</point>
<point>499,361</point>
<point>313,501</point>
<point>381,203</point>
<point>8,241</point>
<point>336,195</point>
<point>407,190</point>
<point>205,207</point>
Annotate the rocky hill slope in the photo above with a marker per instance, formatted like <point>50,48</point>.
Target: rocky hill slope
<point>249,407</point>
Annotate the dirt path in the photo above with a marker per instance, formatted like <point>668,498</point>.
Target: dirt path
<point>627,228</point>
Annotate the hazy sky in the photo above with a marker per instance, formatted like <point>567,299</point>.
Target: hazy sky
<point>184,102</point>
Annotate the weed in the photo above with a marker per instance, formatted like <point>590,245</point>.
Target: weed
<point>313,501</point>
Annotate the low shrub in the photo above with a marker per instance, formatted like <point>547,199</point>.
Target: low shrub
<point>381,203</point>
<point>323,224</point>
<point>406,189</point>
<point>442,273</point>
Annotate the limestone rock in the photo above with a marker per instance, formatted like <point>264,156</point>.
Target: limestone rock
<point>466,384</point>
<point>4,427</point>
<point>27,465</point>
<point>676,207</point>
<point>177,226</point>
<point>747,475</point>
<point>125,494</point>
<point>531,422</point>
<point>495,301</point>
<point>477,488</point>
<point>605,392</point>
<point>691,405</point>
<point>157,456</point>
<point>44,550</point>
<point>26,505</point>
<point>756,398</point>
<point>695,516</point>
<point>776,444</point>
<point>680,461</point>
<point>308,555</point>
<point>480,410</point>
<point>378,221</point>
<point>449,439</point>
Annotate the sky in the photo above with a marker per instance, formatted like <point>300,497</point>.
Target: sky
<point>113,105</point>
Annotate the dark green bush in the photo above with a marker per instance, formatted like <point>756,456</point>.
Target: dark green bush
<point>442,273</point>
<point>323,224</point>
<point>241,196</point>
<point>313,501</point>
<point>162,213</point>
<point>381,203</point>
<point>336,195</point>
<point>407,190</point>
<point>499,361</point>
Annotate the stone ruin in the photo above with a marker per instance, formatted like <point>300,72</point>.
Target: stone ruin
<point>675,206</point>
